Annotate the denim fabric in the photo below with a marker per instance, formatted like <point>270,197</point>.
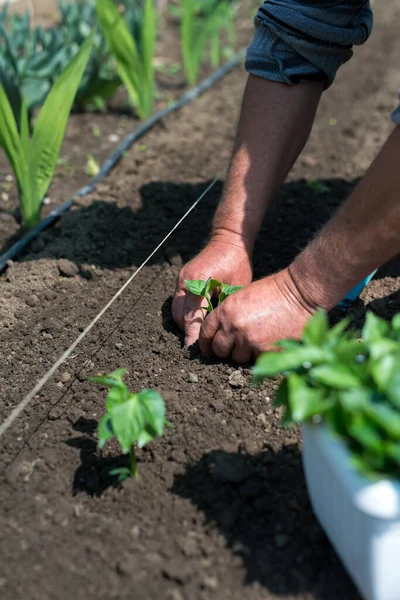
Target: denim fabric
<point>298,40</point>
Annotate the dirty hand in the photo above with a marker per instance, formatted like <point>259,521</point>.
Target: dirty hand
<point>252,320</point>
<point>225,259</point>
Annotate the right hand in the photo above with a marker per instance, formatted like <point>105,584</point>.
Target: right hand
<point>225,259</point>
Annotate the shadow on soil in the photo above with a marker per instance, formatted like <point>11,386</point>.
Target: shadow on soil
<point>112,237</point>
<point>93,474</point>
<point>260,504</point>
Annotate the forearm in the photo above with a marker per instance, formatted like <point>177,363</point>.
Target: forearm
<point>274,125</point>
<point>363,235</point>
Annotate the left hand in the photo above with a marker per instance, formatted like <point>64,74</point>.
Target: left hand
<point>253,319</point>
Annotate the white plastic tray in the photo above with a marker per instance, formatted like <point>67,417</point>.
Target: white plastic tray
<point>360,517</point>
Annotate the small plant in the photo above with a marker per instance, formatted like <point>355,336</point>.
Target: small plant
<point>34,159</point>
<point>351,384</point>
<point>318,186</point>
<point>130,418</point>
<point>200,287</point>
<point>134,59</point>
<point>92,166</point>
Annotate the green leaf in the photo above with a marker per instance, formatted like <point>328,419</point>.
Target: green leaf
<point>375,328</point>
<point>123,473</point>
<point>227,290</point>
<point>128,421</point>
<point>355,400</point>
<point>154,409</point>
<point>196,286</point>
<point>212,284</point>
<point>383,369</point>
<point>386,417</point>
<point>396,322</point>
<point>145,437</point>
<point>50,128</point>
<point>305,402</point>
<point>273,363</point>
<point>336,376</point>
<point>10,140</point>
<point>135,71</point>
<point>365,434</point>
<point>316,329</point>
<point>105,430</point>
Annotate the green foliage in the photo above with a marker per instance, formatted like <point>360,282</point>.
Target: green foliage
<point>352,384</point>
<point>202,23</point>
<point>134,59</point>
<point>34,160</point>
<point>130,418</point>
<point>31,58</point>
<point>200,287</point>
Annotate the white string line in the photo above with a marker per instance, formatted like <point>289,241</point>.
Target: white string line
<point>42,382</point>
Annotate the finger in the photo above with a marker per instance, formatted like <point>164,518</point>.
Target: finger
<point>223,344</point>
<point>242,352</point>
<point>178,307</point>
<point>207,332</point>
<point>193,317</point>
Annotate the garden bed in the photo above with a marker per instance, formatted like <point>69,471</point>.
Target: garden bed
<point>220,509</point>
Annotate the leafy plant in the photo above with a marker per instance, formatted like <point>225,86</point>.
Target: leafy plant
<point>34,159</point>
<point>31,58</point>
<point>134,59</point>
<point>130,418</point>
<point>352,384</point>
<point>202,23</point>
<point>200,287</point>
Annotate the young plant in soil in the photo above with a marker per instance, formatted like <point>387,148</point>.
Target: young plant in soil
<point>34,159</point>
<point>134,59</point>
<point>130,418</point>
<point>200,287</point>
<point>351,384</point>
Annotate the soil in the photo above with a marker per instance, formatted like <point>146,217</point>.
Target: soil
<point>220,509</point>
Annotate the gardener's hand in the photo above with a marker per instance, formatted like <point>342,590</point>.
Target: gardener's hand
<point>224,258</point>
<point>252,320</point>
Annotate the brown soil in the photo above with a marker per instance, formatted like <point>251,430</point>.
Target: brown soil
<point>220,510</point>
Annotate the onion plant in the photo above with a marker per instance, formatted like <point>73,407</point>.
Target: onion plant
<point>202,24</point>
<point>34,158</point>
<point>134,59</point>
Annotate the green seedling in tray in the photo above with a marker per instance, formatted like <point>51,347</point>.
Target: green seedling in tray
<point>34,158</point>
<point>200,287</point>
<point>130,418</point>
<point>350,382</point>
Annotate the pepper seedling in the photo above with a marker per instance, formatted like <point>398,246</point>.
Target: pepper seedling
<point>130,418</point>
<point>200,287</point>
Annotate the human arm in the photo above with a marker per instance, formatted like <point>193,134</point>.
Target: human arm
<point>274,125</point>
<point>361,236</point>
<point>288,70</point>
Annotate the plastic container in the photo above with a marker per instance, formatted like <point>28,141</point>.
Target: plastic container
<point>361,517</point>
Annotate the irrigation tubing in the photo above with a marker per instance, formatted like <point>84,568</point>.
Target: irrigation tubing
<point>118,153</point>
<point>42,382</point>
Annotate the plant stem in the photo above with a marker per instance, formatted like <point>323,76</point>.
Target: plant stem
<point>132,457</point>
<point>210,307</point>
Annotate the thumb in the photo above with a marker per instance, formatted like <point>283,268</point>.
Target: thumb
<point>193,317</point>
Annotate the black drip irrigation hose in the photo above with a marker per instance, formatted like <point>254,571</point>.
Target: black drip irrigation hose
<point>118,153</point>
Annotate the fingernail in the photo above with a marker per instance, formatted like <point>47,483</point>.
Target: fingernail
<point>185,347</point>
